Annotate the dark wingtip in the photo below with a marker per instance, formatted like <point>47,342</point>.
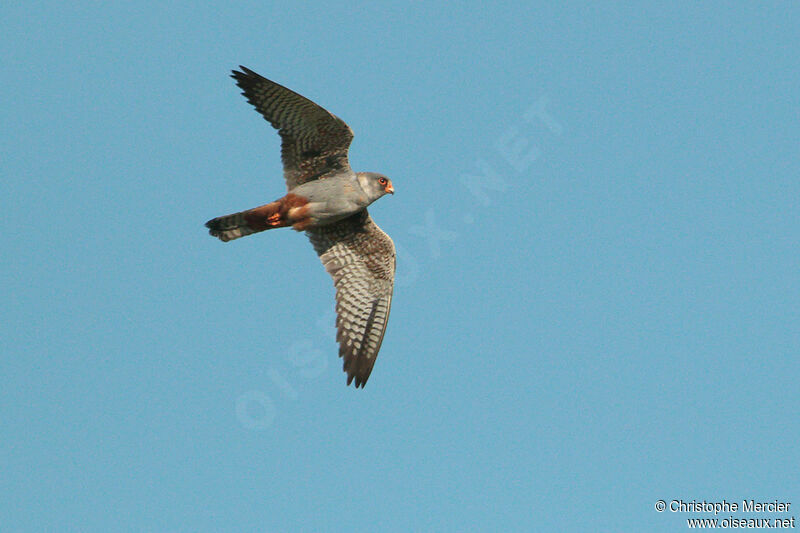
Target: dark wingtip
<point>246,79</point>
<point>359,381</point>
<point>244,74</point>
<point>239,76</point>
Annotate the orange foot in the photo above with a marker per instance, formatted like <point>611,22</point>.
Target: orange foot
<point>274,220</point>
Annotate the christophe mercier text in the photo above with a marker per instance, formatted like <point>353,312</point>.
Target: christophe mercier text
<point>747,506</point>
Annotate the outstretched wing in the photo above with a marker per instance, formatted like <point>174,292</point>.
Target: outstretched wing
<point>314,142</point>
<point>361,259</point>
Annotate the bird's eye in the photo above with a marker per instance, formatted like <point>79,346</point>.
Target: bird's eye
<point>382,181</point>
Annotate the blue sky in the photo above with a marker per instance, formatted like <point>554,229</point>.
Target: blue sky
<point>598,278</point>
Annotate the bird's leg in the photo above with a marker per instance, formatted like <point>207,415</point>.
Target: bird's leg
<point>301,217</point>
<point>303,224</point>
<point>299,213</point>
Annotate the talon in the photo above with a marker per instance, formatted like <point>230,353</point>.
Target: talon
<point>273,220</point>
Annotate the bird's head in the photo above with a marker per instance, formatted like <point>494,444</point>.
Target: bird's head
<point>375,185</point>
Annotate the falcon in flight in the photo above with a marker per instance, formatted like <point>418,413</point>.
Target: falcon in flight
<point>328,201</point>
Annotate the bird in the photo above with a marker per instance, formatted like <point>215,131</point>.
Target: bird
<point>328,201</point>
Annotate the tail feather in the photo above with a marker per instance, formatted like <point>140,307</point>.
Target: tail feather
<point>230,227</point>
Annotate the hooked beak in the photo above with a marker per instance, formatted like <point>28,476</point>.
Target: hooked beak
<point>389,188</point>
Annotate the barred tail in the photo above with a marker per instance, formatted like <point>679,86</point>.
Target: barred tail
<point>230,227</point>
